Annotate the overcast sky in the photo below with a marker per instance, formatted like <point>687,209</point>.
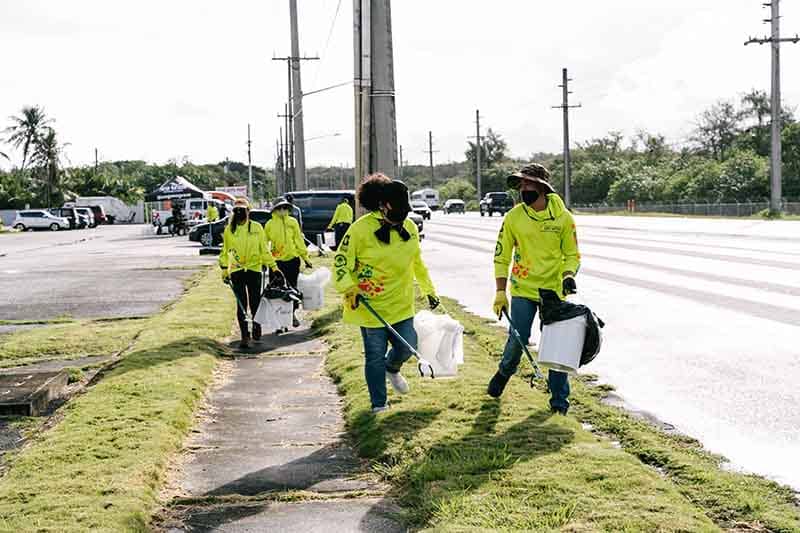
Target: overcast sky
<point>156,80</point>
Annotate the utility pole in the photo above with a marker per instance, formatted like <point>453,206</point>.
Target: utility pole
<point>375,120</point>
<point>776,196</point>
<point>565,79</point>
<point>288,147</point>
<point>250,168</point>
<point>478,151</point>
<point>430,151</point>
<point>278,165</point>
<point>400,164</point>
<point>284,170</point>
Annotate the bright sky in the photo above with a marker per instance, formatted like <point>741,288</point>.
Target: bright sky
<point>156,80</point>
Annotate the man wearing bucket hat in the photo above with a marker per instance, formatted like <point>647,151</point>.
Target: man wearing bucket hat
<point>243,257</point>
<point>378,260</point>
<point>286,243</point>
<point>538,242</point>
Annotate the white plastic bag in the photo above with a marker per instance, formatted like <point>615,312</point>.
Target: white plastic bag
<point>274,315</point>
<point>440,341</point>
<point>330,239</point>
<point>312,286</point>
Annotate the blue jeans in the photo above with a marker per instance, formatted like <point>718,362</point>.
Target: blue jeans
<point>378,361</point>
<point>523,312</point>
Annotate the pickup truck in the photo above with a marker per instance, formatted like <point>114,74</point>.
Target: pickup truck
<point>496,202</point>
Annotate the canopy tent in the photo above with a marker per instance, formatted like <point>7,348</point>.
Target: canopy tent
<point>177,188</point>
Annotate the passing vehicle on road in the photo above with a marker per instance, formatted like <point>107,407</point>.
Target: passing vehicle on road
<point>417,219</point>
<point>496,202</point>
<point>421,208</point>
<point>33,219</point>
<point>454,205</point>
<point>429,196</point>
<point>88,215</point>
<point>200,233</point>
<point>75,221</point>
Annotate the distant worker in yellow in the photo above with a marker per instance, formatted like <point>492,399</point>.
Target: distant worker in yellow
<point>342,219</point>
<point>212,215</point>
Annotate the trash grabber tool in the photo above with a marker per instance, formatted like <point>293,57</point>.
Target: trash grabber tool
<point>318,247</point>
<point>422,364</point>
<point>537,374</point>
<point>239,303</point>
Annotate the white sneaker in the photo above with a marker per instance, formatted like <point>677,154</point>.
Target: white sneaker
<point>399,383</point>
<point>376,410</point>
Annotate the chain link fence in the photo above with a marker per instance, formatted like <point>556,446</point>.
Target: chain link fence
<point>743,209</point>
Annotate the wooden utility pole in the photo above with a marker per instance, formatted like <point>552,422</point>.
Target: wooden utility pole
<point>478,152</point>
<point>776,195</point>
<point>430,151</point>
<point>565,79</point>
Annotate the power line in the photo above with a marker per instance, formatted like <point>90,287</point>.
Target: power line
<point>776,196</point>
<point>328,40</point>
<point>565,79</point>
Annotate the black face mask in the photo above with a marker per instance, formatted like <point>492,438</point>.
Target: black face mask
<point>396,216</point>
<point>239,215</point>
<point>528,197</point>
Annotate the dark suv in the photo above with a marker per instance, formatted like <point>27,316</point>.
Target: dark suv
<point>199,233</point>
<point>496,202</point>
<point>317,208</point>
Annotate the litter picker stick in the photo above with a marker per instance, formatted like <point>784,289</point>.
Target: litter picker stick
<point>536,372</point>
<point>421,363</point>
<point>321,251</point>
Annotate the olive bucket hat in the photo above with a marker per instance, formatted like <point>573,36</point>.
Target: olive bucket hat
<point>533,172</point>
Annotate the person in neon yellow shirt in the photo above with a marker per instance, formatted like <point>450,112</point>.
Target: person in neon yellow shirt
<point>378,259</point>
<point>538,242</point>
<point>212,215</point>
<point>286,243</point>
<point>342,218</point>
<point>243,257</point>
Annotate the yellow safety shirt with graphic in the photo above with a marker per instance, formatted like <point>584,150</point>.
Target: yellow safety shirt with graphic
<point>284,238</point>
<point>538,247</point>
<point>384,273</point>
<point>343,214</point>
<point>212,215</point>
<point>245,249</point>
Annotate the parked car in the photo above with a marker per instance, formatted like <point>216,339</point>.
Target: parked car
<point>32,219</point>
<point>98,213</point>
<point>454,206</point>
<point>496,202</point>
<point>89,215</point>
<point>421,208</point>
<point>199,233</point>
<point>70,214</point>
<point>417,219</point>
<point>317,208</point>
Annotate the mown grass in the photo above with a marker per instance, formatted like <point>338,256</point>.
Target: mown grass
<point>459,460</point>
<point>69,340</point>
<point>100,468</point>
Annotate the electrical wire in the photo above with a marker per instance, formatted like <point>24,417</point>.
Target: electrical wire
<point>327,41</point>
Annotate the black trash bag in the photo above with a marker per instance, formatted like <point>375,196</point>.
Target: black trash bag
<point>554,309</point>
<point>277,289</point>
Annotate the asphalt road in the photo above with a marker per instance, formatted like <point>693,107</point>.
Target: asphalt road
<point>110,271</point>
<point>703,318</point>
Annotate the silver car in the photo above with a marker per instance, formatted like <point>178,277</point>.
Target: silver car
<point>39,219</point>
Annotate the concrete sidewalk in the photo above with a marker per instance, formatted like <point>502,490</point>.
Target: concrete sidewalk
<point>269,453</point>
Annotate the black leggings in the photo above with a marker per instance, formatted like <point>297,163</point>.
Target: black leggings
<point>340,230</point>
<point>291,271</point>
<point>247,286</point>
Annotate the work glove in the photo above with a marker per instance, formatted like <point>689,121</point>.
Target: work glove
<point>433,301</point>
<point>226,277</point>
<point>568,286</point>
<point>351,297</point>
<point>500,303</point>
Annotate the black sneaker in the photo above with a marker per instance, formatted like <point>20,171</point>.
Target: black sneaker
<point>497,385</point>
<point>558,411</point>
<point>245,343</point>
<point>256,332</point>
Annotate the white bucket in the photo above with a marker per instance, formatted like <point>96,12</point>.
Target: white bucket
<point>562,343</point>
<point>312,286</point>
<point>274,315</point>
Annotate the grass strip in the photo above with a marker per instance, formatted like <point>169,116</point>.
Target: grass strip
<point>459,460</point>
<point>101,467</point>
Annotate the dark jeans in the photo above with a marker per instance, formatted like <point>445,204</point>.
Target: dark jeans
<point>523,312</point>
<point>339,231</point>
<point>378,361</point>
<point>291,271</point>
<point>247,286</point>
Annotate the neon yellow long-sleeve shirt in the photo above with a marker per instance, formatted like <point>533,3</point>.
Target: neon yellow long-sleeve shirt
<point>285,238</point>
<point>212,214</point>
<point>343,214</point>
<point>384,273</point>
<point>245,248</point>
<point>538,247</point>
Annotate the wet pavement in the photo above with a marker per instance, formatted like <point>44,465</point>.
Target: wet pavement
<point>110,271</point>
<point>702,320</point>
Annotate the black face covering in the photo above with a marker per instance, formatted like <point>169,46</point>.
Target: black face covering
<point>528,197</point>
<point>396,216</point>
<point>239,215</point>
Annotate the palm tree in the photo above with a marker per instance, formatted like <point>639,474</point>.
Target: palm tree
<point>26,130</point>
<point>47,156</point>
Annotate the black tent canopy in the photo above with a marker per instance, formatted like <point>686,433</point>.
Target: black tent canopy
<point>177,188</point>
